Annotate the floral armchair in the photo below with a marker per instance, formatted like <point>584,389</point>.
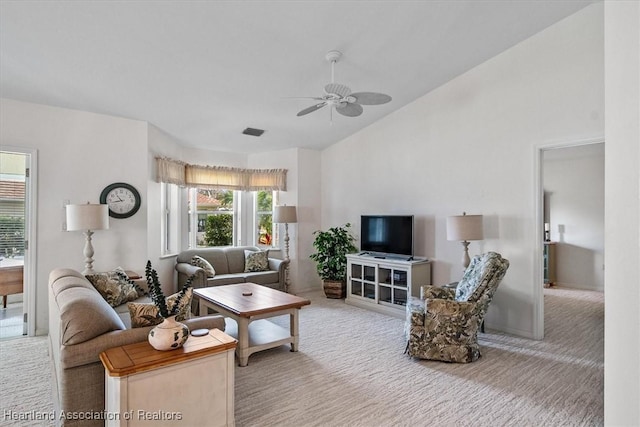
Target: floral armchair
<point>444,324</point>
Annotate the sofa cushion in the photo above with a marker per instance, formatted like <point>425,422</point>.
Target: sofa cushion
<point>262,277</point>
<point>215,256</point>
<point>148,314</point>
<point>235,257</point>
<point>84,315</point>
<point>198,261</point>
<point>226,279</point>
<point>256,261</point>
<point>115,287</point>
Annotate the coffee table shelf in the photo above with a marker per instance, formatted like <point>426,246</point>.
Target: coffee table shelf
<point>263,334</point>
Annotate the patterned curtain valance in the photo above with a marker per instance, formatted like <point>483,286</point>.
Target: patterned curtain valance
<point>228,178</point>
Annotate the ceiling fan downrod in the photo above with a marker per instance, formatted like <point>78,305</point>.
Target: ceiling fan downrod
<point>333,56</point>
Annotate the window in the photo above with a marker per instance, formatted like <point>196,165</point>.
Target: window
<point>12,205</point>
<point>217,217</point>
<point>265,232</point>
<point>213,221</point>
<point>170,207</point>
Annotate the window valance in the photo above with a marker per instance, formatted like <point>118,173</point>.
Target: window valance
<point>170,171</point>
<point>176,172</point>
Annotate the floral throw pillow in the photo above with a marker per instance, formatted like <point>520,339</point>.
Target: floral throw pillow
<point>148,314</point>
<point>256,261</point>
<point>198,261</point>
<point>115,287</point>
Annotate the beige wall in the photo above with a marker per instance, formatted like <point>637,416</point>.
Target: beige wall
<point>622,214</point>
<point>470,145</point>
<point>79,154</point>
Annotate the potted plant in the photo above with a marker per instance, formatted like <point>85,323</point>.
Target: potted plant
<point>170,334</point>
<point>332,246</point>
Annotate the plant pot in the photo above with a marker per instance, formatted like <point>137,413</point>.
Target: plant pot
<point>168,335</point>
<point>334,288</point>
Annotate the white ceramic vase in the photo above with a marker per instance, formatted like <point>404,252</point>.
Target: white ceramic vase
<point>168,335</point>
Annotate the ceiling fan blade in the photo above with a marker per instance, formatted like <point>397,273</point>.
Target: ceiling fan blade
<point>317,98</point>
<point>349,110</point>
<point>338,89</point>
<point>371,98</point>
<point>311,109</point>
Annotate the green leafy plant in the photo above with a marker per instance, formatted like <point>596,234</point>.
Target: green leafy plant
<point>158,297</point>
<point>332,246</point>
<point>219,230</point>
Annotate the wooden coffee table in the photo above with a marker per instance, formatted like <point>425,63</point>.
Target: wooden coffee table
<point>249,305</point>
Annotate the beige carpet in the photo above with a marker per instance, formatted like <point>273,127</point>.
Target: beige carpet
<point>25,381</point>
<point>351,371</point>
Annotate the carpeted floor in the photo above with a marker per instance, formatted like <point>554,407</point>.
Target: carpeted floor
<point>351,371</point>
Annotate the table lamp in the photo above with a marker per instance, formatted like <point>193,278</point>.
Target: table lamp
<point>87,218</point>
<point>463,228</point>
<point>285,215</point>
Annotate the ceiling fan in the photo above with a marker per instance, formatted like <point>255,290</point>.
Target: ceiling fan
<point>341,98</point>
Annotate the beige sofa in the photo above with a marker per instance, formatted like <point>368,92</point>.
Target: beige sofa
<point>82,325</point>
<point>228,262</point>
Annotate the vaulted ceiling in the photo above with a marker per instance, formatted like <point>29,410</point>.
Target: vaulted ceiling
<point>203,71</point>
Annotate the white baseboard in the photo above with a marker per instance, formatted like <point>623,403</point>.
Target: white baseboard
<point>581,287</point>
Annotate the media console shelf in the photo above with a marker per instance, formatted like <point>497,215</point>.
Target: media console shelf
<point>384,284</point>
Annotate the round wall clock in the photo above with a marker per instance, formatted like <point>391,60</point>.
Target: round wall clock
<point>123,199</point>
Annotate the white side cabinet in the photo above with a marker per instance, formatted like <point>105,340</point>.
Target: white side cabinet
<point>190,386</point>
<point>385,283</point>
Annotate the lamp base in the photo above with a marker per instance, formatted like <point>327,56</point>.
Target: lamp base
<point>88,254</point>
<point>465,257</point>
<point>287,280</point>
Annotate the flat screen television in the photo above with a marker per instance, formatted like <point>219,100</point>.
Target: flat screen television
<point>387,234</point>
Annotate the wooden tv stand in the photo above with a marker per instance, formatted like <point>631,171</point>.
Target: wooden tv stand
<point>384,283</point>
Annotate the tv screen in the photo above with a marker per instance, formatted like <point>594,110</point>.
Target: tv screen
<point>389,234</point>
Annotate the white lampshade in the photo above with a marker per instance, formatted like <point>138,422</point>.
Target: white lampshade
<point>285,215</point>
<point>87,217</point>
<point>464,227</point>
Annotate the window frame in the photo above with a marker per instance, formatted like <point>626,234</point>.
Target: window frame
<point>255,234</point>
<point>170,219</point>
<point>236,214</point>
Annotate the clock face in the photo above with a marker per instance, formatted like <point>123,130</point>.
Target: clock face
<point>123,200</point>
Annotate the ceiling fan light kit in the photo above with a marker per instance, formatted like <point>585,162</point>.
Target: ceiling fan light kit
<point>339,96</point>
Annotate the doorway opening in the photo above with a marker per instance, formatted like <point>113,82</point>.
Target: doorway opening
<point>17,266</point>
<point>569,220</point>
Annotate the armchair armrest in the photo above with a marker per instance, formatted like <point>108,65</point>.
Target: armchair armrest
<point>414,314</point>
<point>429,291</point>
<point>186,270</point>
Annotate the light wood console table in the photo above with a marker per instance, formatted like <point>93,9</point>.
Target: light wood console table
<point>190,386</point>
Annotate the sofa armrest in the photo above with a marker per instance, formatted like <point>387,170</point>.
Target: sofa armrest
<point>205,322</point>
<point>89,351</point>
<point>186,270</point>
<point>279,265</point>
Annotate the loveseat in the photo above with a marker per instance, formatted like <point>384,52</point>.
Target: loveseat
<point>229,265</point>
<point>82,325</point>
